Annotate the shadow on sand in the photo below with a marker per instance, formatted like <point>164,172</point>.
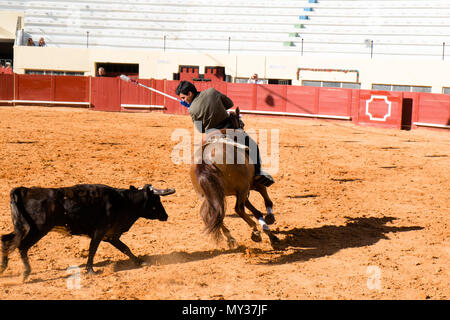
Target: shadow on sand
<point>296,244</point>
<point>300,244</point>
<point>176,257</point>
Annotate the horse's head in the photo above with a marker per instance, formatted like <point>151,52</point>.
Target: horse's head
<point>234,118</point>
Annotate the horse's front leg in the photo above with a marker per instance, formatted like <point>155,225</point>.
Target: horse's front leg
<point>256,235</point>
<point>270,217</point>
<point>264,225</point>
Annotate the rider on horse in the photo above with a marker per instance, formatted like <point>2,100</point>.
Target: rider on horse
<point>209,108</point>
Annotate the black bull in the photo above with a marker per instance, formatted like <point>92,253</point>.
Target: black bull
<point>98,211</point>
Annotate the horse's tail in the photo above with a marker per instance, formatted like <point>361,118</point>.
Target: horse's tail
<point>213,208</point>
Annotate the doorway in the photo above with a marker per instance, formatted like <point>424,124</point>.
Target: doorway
<point>407,111</point>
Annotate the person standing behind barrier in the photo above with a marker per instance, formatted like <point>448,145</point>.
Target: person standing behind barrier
<point>8,69</point>
<point>101,72</point>
<point>30,42</point>
<point>255,79</point>
<point>42,42</point>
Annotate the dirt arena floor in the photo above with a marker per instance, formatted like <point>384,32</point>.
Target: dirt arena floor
<point>362,213</point>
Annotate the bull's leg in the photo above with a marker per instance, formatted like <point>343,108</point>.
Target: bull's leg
<point>122,247</point>
<point>26,263</point>
<point>7,247</point>
<point>25,244</point>
<point>93,246</point>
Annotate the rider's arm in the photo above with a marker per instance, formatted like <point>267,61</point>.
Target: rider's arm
<point>227,102</point>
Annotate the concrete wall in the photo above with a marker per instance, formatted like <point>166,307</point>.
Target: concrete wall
<point>10,21</point>
<point>162,65</point>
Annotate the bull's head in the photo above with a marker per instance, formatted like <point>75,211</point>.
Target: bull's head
<point>152,207</point>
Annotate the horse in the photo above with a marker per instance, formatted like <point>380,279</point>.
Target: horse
<point>214,179</point>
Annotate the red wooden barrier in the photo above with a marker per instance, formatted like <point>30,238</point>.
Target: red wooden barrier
<point>335,102</point>
<point>433,109</point>
<point>302,100</point>
<point>173,106</point>
<point>133,97</point>
<point>364,107</point>
<point>242,95</point>
<point>6,88</point>
<point>71,89</point>
<point>270,98</point>
<point>33,88</point>
<point>380,108</point>
<point>105,94</point>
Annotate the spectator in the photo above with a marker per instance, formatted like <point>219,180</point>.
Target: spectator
<point>2,67</point>
<point>101,72</point>
<point>30,42</point>
<point>255,79</point>
<point>8,69</point>
<point>42,42</point>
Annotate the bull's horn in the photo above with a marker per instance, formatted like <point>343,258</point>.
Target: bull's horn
<point>164,192</point>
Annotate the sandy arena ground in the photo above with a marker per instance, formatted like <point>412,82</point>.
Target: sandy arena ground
<point>362,213</point>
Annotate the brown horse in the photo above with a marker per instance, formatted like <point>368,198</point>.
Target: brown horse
<point>214,178</point>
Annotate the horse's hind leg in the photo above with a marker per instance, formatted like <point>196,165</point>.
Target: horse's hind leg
<point>240,210</point>
<point>270,218</point>
<point>232,244</point>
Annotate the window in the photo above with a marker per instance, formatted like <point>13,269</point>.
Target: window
<point>312,83</point>
<point>446,90</point>
<point>402,88</point>
<point>117,69</point>
<point>381,87</point>
<point>421,89</point>
<point>331,84</point>
<point>328,84</point>
<point>54,73</point>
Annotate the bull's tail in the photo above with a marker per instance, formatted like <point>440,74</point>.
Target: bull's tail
<point>213,208</point>
<point>9,242</point>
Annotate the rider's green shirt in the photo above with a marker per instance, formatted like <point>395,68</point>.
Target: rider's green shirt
<point>210,109</point>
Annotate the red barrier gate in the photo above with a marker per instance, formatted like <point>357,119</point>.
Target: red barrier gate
<point>380,108</point>
<point>105,94</point>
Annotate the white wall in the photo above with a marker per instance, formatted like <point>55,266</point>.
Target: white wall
<point>162,65</point>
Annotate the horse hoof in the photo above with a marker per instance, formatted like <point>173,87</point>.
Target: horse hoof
<point>144,263</point>
<point>256,236</point>
<point>232,244</point>
<point>269,219</point>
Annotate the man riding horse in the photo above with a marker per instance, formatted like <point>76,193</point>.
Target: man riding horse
<point>209,108</point>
